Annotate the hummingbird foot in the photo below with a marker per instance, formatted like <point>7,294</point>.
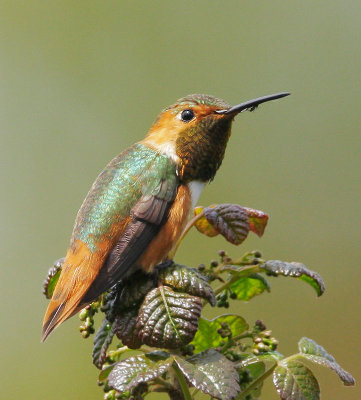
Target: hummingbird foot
<point>159,267</point>
<point>112,299</point>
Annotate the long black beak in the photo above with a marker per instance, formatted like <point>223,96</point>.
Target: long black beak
<point>252,104</point>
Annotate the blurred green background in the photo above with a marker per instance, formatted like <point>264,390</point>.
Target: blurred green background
<point>80,81</point>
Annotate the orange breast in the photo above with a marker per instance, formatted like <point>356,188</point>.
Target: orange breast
<point>167,237</point>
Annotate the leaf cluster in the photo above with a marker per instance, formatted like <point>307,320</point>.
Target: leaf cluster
<point>165,345</point>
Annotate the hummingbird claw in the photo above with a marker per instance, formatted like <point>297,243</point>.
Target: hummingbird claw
<point>159,267</point>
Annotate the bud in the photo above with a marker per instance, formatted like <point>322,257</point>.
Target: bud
<point>110,395</point>
<point>84,313</point>
<point>85,334</point>
<point>260,325</point>
<point>221,253</point>
<point>201,267</point>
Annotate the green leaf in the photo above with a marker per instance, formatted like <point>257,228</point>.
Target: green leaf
<point>252,368</point>
<point>314,352</point>
<point>102,341</point>
<point>295,270</point>
<point>257,220</point>
<point>250,359</point>
<point>52,278</point>
<point>167,318</point>
<point>212,373</point>
<point>250,286</point>
<point>189,280</point>
<point>345,376</point>
<point>309,346</point>
<point>104,373</point>
<point>254,371</point>
<point>124,327</point>
<point>129,373</point>
<point>271,356</point>
<point>294,381</point>
<point>207,335</point>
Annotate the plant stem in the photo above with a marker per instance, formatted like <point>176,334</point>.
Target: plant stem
<point>296,356</point>
<point>146,349</point>
<point>247,334</point>
<point>162,385</point>
<point>256,383</point>
<point>245,272</point>
<point>186,230</point>
<point>233,341</point>
<point>182,382</point>
<point>118,352</point>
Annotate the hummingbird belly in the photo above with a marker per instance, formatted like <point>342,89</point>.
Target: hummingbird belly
<point>162,244</point>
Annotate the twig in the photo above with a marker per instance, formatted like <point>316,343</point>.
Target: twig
<point>182,382</point>
<point>186,230</point>
<point>244,272</point>
<point>256,383</point>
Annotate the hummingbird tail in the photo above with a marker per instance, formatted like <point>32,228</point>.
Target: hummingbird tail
<point>51,321</point>
<point>69,291</point>
<point>55,315</point>
<point>59,311</point>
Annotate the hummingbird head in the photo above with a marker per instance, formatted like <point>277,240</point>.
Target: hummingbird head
<point>194,132</point>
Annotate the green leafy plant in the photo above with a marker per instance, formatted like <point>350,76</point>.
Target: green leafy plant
<point>165,345</point>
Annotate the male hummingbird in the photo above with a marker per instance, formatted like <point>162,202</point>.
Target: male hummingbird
<point>138,206</point>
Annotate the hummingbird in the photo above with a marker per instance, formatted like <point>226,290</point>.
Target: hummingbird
<point>139,205</point>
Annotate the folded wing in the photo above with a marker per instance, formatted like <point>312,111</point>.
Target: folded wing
<point>108,240</point>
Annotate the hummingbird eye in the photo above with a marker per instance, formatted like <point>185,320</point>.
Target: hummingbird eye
<point>187,115</point>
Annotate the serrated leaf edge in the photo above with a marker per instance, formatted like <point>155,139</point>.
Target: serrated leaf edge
<point>166,364</point>
<point>316,277</point>
<point>195,383</point>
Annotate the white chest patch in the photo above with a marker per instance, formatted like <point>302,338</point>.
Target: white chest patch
<point>195,188</point>
<point>168,149</point>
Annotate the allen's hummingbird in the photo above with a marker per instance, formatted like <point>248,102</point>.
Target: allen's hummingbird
<point>138,206</point>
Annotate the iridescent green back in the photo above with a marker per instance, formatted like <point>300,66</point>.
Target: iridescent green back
<point>135,172</point>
